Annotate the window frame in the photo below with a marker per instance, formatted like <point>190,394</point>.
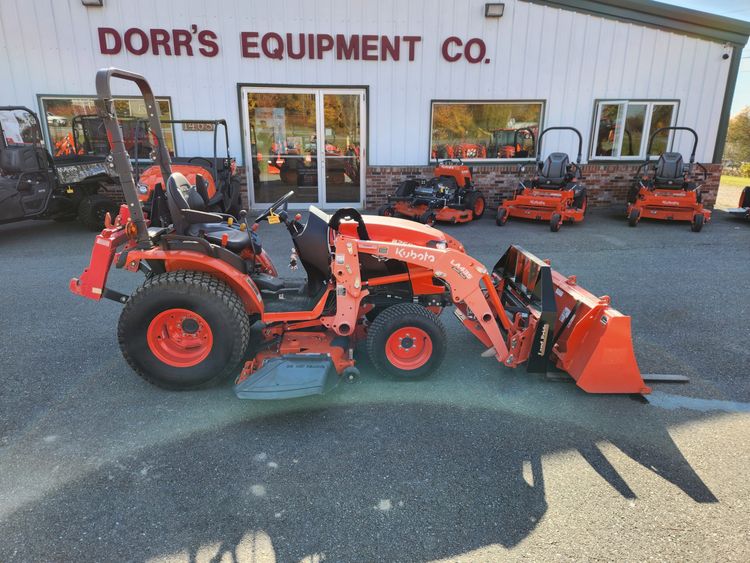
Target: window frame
<point>45,125</point>
<point>599,103</point>
<point>542,119</point>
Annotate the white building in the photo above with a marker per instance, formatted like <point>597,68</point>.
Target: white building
<point>380,87</point>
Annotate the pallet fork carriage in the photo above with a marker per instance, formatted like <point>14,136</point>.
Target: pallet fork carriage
<point>378,279</point>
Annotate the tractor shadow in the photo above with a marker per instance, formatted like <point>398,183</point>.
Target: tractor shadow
<point>355,483</point>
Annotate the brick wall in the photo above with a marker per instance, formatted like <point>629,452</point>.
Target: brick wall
<point>607,184</point>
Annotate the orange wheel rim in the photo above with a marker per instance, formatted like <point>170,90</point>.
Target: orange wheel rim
<point>408,348</point>
<point>479,207</point>
<point>180,338</point>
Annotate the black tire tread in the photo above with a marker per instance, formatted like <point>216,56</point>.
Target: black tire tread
<point>203,282</point>
<point>85,209</point>
<point>399,312</point>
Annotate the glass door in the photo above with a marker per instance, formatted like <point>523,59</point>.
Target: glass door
<point>306,140</point>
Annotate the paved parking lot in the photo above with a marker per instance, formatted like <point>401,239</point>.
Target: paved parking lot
<point>475,463</point>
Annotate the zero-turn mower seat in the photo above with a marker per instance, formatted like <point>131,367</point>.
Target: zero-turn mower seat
<point>555,170</point>
<point>669,170</point>
<point>186,209</point>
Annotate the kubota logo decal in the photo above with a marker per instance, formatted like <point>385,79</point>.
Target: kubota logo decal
<point>412,254</point>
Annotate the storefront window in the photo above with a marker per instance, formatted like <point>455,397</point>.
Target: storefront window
<point>620,127</point>
<point>74,128</point>
<point>485,130</point>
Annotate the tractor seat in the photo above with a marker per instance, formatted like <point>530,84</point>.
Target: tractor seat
<point>554,172</point>
<point>670,170</point>
<point>186,207</point>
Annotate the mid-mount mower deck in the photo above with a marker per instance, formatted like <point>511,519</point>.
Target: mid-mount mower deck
<point>381,280</point>
<point>553,194</point>
<point>449,196</point>
<point>667,189</point>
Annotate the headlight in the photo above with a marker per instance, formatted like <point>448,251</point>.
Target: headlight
<point>142,189</point>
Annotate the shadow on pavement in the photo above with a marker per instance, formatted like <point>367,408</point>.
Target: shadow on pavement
<point>343,482</point>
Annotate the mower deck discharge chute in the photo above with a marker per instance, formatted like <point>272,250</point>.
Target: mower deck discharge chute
<point>554,194</point>
<point>381,280</point>
<point>666,189</point>
<point>449,196</point>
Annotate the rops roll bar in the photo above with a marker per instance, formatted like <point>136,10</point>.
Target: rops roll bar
<point>105,108</point>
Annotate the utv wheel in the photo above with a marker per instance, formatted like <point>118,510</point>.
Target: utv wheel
<point>184,330</point>
<point>633,216</point>
<point>555,222</point>
<point>93,209</point>
<point>697,223</point>
<point>502,217</point>
<point>476,202</point>
<point>385,211</point>
<point>406,341</point>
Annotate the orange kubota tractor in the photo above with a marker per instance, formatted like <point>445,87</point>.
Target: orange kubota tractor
<point>554,194</point>
<point>448,196</point>
<point>379,279</point>
<point>668,189</point>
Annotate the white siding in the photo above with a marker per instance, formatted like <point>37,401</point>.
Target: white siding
<point>568,59</point>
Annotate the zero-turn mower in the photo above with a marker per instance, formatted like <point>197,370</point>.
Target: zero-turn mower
<point>380,280</point>
<point>553,194</point>
<point>448,196</point>
<point>667,188</point>
<point>742,210</point>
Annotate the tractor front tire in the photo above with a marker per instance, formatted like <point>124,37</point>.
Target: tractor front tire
<point>476,202</point>
<point>93,209</point>
<point>555,222</point>
<point>697,223</point>
<point>406,341</point>
<point>428,218</point>
<point>184,330</point>
<point>634,216</point>
<point>502,217</point>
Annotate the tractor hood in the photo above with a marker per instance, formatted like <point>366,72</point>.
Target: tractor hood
<point>393,229</point>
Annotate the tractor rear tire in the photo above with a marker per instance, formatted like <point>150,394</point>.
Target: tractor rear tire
<point>93,209</point>
<point>697,223</point>
<point>406,341</point>
<point>184,330</point>
<point>476,202</point>
<point>555,222</point>
<point>502,217</point>
<point>634,216</point>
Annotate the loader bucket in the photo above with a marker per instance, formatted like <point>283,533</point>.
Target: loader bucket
<point>573,329</point>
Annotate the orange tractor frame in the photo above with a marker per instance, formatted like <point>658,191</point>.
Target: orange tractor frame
<point>188,324</point>
<point>554,193</point>
<point>666,189</point>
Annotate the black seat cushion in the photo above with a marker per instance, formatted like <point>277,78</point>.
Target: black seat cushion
<point>555,170</point>
<point>670,170</point>
<point>237,240</point>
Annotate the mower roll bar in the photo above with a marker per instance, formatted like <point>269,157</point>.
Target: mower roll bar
<point>560,128</point>
<point>655,133</point>
<point>105,107</point>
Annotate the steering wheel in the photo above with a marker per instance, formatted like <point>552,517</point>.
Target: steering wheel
<point>210,164</point>
<point>283,201</point>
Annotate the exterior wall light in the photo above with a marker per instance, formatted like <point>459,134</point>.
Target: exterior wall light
<point>92,3</point>
<point>494,10</point>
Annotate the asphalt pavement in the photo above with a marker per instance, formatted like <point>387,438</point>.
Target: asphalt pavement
<point>475,463</point>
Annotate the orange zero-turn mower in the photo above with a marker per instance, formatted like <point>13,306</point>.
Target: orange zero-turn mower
<point>554,194</point>
<point>378,279</point>
<point>742,211</point>
<point>448,196</point>
<point>668,189</point>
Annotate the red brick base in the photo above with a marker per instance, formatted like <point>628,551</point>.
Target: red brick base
<point>607,184</point>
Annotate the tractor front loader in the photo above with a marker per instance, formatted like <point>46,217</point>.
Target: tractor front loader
<point>381,280</point>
